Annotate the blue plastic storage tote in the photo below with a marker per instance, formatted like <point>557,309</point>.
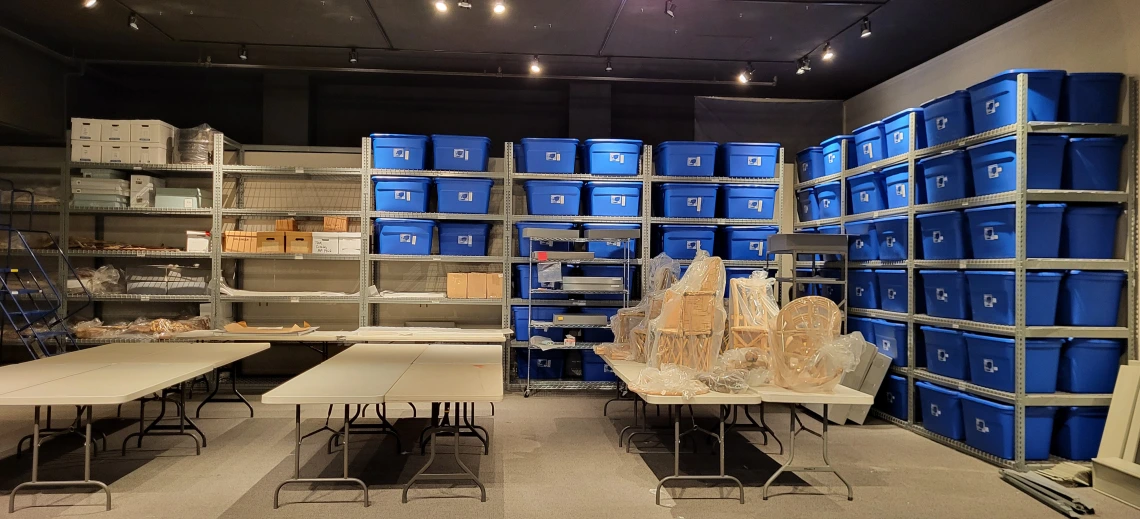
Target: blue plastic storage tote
<point>459,152</point>
<point>738,242</point>
<point>893,290</point>
<point>401,194</point>
<point>612,156</point>
<point>897,131</point>
<point>1089,365</point>
<point>612,249</point>
<point>947,176</point>
<point>683,241</point>
<point>613,198</point>
<point>892,397</point>
<point>611,271</point>
<point>993,102</point>
<point>463,239</point>
<point>1079,430</point>
<point>553,197</point>
<point>992,297</point>
<point>941,410</point>
<point>806,207</point>
<point>809,163</point>
<point>867,192</point>
<point>1090,298</point>
<point>543,365</point>
<point>463,195</point>
<point>550,155</point>
<point>685,159</point>
<point>863,289</point>
<point>992,233</point>
<point>896,181</point>
<point>537,313</point>
<point>946,293</point>
<point>398,151</point>
<point>994,168</point>
<point>892,237</point>
<point>594,369</point>
<point>833,154</point>
<point>749,201</point>
<point>948,118</point>
<point>520,158</point>
<point>863,241</point>
<point>870,145</point>
<point>992,362</point>
<point>406,237</point>
<point>946,352</point>
<point>688,200</point>
<point>863,325</point>
<point>528,280</point>
<point>990,428</point>
<point>943,235</point>
<point>1090,231</point>
<point>1093,163</point>
<point>890,339</point>
<point>1091,97</point>
<point>827,197</point>
<point>598,334</point>
<point>539,245</point>
<point>749,159</point>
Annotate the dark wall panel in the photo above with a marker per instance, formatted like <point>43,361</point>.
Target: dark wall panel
<point>794,124</point>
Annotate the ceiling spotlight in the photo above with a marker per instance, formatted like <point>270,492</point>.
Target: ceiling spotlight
<point>535,67</point>
<point>90,3</point>
<point>500,7</point>
<point>463,5</point>
<point>804,64</point>
<point>827,52</point>
<point>609,65</point>
<point>866,28</point>
<point>441,6</point>
<point>746,75</point>
<point>133,21</point>
<point>353,57</point>
<point>244,55</point>
<point>670,6</point>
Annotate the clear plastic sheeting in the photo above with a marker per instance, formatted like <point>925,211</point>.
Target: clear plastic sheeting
<point>194,144</point>
<point>630,324</point>
<point>103,280</point>
<point>670,380</point>
<point>809,354</point>
<point>690,329</point>
<point>724,380</point>
<point>752,311</point>
<point>141,328</point>
<point>754,362</point>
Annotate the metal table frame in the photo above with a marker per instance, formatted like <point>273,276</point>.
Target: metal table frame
<point>456,430</point>
<point>297,464</point>
<point>677,476</point>
<point>790,467</point>
<point>85,482</point>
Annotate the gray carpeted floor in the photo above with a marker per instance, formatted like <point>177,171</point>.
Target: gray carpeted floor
<point>551,456</point>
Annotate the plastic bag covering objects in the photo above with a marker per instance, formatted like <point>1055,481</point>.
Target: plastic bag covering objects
<point>670,380</point>
<point>629,325</point>
<point>690,329</point>
<point>752,312</point>
<point>809,355</point>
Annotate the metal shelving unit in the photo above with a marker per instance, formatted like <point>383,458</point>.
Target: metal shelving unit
<point>1020,264</point>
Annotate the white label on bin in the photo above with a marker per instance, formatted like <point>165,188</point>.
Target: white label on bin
<point>466,196</point>
<point>757,246</point>
<point>988,366</point>
<point>542,363</point>
<point>943,356</point>
<point>617,157</point>
<point>408,238</point>
<point>886,345</point>
<point>188,203</point>
<point>614,243</point>
<point>830,158</point>
<point>890,398</point>
<point>899,136</point>
<point>466,240</point>
<point>402,195</point>
<point>553,156</point>
<point>858,243</point>
<point>940,123</point>
<point>890,241</point>
<point>824,203</point>
<point>617,200</point>
<point>758,205</point>
<point>900,190</point>
<point>980,425</point>
<point>400,153</point>
<point>941,294</point>
<point>804,167</point>
<point>558,199</point>
<point>992,106</point>
<point>891,293</point>
<point>934,410</point>
<point>694,202</point>
<point>858,291</point>
<point>936,237</point>
<point>989,234</point>
<point>460,154</point>
<point>754,161</point>
<point>989,300</point>
<point>869,149</point>
<point>693,162</point>
<point>993,171</point>
<point>693,244</point>
<point>805,208</point>
<point>940,181</point>
<point>864,197</point>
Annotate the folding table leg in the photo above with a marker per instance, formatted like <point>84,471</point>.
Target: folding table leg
<point>213,396</point>
<point>454,428</point>
<point>721,476</point>
<point>297,465</point>
<point>789,467</point>
<point>36,483</point>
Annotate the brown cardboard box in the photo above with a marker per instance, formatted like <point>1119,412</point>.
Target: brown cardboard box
<point>287,224</point>
<point>495,286</point>
<point>239,241</point>
<point>271,241</point>
<point>477,285</point>
<point>298,242</point>
<point>336,224</point>
<point>457,286</point>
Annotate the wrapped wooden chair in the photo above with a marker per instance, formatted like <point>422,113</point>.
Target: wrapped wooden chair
<point>690,328</point>
<point>629,325</point>
<point>752,312</point>
<point>802,327</point>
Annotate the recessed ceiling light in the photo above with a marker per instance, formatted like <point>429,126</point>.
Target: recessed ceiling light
<point>133,21</point>
<point>535,67</point>
<point>828,54</point>
<point>90,3</point>
<point>441,6</point>
<point>866,28</point>
<point>500,7</point>
<point>745,75</point>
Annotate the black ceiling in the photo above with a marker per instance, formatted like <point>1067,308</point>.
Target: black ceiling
<point>706,40</point>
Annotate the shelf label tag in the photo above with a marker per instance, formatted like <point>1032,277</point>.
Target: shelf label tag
<point>299,170</point>
<point>755,161</point>
<point>144,298</point>
<point>294,299</point>
<point>693,162</point>
<point>141,254</point>
<point>298,256</point>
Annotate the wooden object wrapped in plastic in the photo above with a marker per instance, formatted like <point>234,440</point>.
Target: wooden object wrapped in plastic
<point>752,312</point>
<point>690,329</point>
<point>802,328</point>
<point>629,324</point>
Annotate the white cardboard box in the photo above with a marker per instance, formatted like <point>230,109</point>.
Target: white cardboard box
<point>86,129</point>
<point>326,242</point>
<point>152,132</point>
<point>115,131</point>
<point>116,153</point>
<point>349,242</point>
<point>83,151</point>
<point>144,154</point>
<point>143,188</point>
<point>197,241</point>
